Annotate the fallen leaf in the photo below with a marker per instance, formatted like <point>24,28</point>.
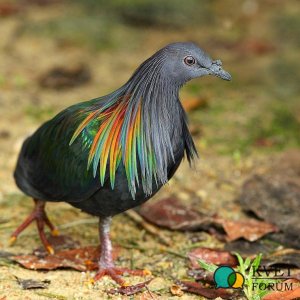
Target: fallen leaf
<point>58,243</point>
<point>148,295</point>
<point>5,254</point>
<point>4,134</point>
<point>191,104</point>
<point>170,213</point>
<point>129,290</point>
<point>202,275</point>
<point>287,294</point>
<point>8,9</point>
<point>62,77</point>
<point>264,142</point>
<point>176,290</point>
<point>27,284</point>
<point>211,256</point>
<point>81,259</point>
<point>246,248</point>
<point>249,229</point>
<point>255,46</point>
<point>288,257</point>
<point>208,292</point>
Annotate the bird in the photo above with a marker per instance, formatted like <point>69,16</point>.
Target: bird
<point>112,153</point>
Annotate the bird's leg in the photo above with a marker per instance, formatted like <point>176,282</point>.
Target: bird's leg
<point>106,264</point>
<point>39,215</point>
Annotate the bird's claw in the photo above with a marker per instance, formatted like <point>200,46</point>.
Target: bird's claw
<point>12,240</point>
<point>50,249</point>
<point>39,215</point>
<point>114,273</point>
<point>54,232</point>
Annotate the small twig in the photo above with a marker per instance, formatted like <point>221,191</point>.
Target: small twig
<point>6,226</point>
<point>126,246</point>
<point>79,222</point>
<point>150,293</point>
<point>163,249</point>
<point>52,296</point>
<point>147,226</point>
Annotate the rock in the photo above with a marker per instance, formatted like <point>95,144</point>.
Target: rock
<point>275,197</point>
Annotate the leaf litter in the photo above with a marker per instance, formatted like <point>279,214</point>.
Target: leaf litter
<point>212,256</point>
<point>172,214</point>
<point>131,289</point>
<point>206,291</point>
<point>27,284</point>
<point>80,259</point>
<point>292,294</point>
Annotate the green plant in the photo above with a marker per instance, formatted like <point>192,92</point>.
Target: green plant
<point>248,269</point>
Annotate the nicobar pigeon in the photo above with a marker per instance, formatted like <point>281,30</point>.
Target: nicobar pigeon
<point>112,153</point>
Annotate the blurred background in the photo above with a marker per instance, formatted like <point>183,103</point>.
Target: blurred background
<point>55,53</point>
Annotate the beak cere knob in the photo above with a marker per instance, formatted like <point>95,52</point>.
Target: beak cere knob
<point>217,70</point>
<point>217,62</point>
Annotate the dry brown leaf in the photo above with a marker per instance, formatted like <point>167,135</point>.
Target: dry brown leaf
<point>249,229</point>
<point>255,46</point>
<point>8,9</point>
<point>27,284</point>
<point>285,295</point>
<point>170,213</point>
<point>131,289</point>
<point>176,290</point>
<point>191,104</point>
<point>60,242</point>
<point>207,292</point>
<point>65,77</point>
<point>81,259</point>
<point>212,256</point>
<point>202,275</point>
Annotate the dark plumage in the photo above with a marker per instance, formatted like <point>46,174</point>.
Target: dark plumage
<point>113,153</point>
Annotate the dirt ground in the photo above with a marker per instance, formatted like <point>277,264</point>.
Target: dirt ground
<point>237,133</point>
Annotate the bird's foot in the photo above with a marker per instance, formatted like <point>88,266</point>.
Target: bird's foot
<point>115,274</point>
<point>40,217</point>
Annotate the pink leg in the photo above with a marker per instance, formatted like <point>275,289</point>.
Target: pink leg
<point>39,215</point>
<point>106,264</point>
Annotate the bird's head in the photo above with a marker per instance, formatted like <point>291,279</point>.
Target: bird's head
<point>185,61</point>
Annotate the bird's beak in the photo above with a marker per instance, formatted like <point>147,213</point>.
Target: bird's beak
<point>217,70</point>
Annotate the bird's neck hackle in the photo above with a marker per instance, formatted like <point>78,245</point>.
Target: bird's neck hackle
<point>136,125</point>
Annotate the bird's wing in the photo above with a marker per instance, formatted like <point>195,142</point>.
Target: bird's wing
<point>49,168</point>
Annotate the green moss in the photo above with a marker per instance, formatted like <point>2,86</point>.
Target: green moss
<point>288,27</point>
<point>154,13</point>
<point>39,113</point>
<point>281,131</point>
<point>95,31</point>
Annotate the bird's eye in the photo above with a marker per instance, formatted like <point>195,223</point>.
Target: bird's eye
<point>189,60</point>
